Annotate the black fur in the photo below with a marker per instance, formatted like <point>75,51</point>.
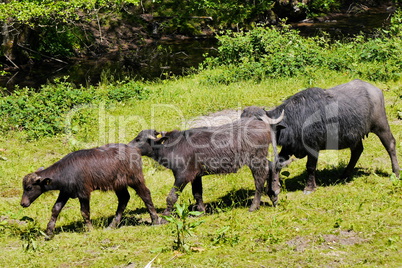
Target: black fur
<point>196,152</point>
<point>337,118</point>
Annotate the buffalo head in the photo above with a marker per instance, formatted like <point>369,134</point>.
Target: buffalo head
<point>33,185</point>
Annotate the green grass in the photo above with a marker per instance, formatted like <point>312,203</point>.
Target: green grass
<point>343,223</point>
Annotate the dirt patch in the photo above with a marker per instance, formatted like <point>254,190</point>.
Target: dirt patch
<point>12,221</point>
<point>343,238</point>
<point>327,241</point>
<point>300,243</point>
<point>10,193</point>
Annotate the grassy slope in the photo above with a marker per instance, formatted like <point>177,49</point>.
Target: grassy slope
<point>341,224</point>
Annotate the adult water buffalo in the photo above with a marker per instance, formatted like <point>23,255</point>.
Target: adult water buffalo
<point>337,118</point>
<point>109,167</point>
<point>196,152</point>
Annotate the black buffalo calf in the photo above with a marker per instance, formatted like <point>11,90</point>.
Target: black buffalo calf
<point>197,152</point>
<point>105,168</point>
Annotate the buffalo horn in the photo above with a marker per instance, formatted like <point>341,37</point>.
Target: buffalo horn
<point>271,121</point>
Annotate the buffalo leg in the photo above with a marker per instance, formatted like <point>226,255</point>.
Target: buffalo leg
<point>57,207</point>
<point>260,173</point>
<point>85,211</point>
<point>311,167</point>
<point>123,197</point>
<point>171,199</point>
<point>273,183</point>
<point>356,151</point>
<point>145,194</point>
<point>197,193</point>
<point>388,140</point>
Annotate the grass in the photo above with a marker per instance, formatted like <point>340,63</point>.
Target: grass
<point>343,223</point>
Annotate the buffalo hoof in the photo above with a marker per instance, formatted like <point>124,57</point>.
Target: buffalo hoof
<point>199,208</point>
<point>89,227</point>
<point>113,224</point>
<point>274,200</point>
<point>158,221</point>
<point>253,208</point>
<point>49,235</point>
<point>162,221</point>
<point>308,191</point>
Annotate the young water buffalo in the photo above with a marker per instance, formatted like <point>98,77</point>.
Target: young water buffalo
<point>110,167</point>
<point>337,118</point>
<point>196,152</point>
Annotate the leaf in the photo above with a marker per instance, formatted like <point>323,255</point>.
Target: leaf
<point>179,225</point>
<point>169,218</point>
<point>179,210</point>
<point>195,213</point>
<point>34,244</point>
<point>223,230</point>
<point>195,224</point>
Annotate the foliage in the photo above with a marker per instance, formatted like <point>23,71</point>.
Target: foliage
<point>395,27</point>
<point>32,12</point>
<point>316,8</point>
<point>44,113</point>
<point>223,237</point>
<point>57,28</point>
<point>75,27</point>
<point>224,14</point>
<point>125,90</point>
<point>281,52</point>
<point>180,218</point>
<point>30,235</point>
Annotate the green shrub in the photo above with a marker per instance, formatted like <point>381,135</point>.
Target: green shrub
<point>274,52</point>
<point>127,90</point>
<point>44,112</point>
<point>41,113</point>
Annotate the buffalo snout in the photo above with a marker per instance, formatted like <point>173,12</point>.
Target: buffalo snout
<point>25,202</point>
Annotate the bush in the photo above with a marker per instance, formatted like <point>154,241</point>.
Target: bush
<point>127,90</point>
<point>281,52</point>
<point>43,113</point>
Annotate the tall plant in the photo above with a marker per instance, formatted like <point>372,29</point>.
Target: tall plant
<point>183,227</point>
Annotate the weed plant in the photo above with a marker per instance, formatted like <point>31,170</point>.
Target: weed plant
<point>180,219</point>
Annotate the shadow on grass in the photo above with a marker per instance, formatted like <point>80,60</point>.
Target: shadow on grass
<point>241,198</point>
<point>130,218</point>
<point>324,177</point>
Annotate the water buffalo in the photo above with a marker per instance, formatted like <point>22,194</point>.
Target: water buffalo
<point>336,118</point>
<point>109,167</point>
<point>196,152</point>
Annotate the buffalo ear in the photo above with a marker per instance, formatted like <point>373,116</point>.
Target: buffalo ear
<point>160,140</point>
<point>281,125</point>
<point>37,180</point>
<point>46,181</point>
<point>160,137</point>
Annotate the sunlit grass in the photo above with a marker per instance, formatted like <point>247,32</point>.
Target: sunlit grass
<point>344,223</point>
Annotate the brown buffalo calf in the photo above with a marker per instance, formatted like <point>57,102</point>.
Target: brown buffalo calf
<point>110,167</point>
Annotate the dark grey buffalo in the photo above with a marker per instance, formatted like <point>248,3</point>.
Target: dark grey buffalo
<point>109,167</point>
<point>337,118</point>
<point>196,152</point>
